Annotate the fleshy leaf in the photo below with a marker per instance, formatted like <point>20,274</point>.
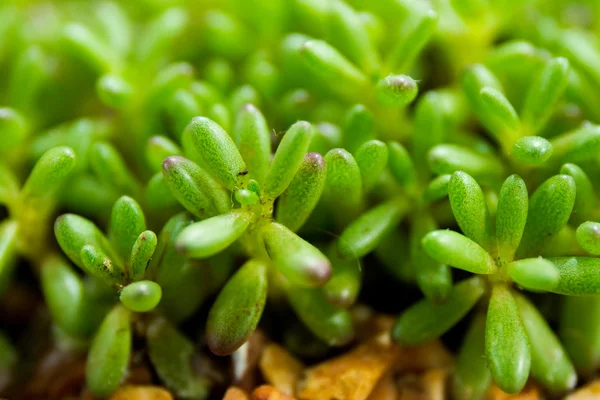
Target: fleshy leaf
<point>470,209</point>
<point>172,354</point>
<point>110,167</point>
<point>127,222</point>
<point>585,197</point>
<point>402,166</point>
<point>366,232</point>
<point>74,232</point>
<point>301,262</point>
<point>141,296</point>
<point>544,93</point>
<point>235,314</point>
<point>396,91</point>
<point>434,278</point>
<point>549,209</point>
<point>331,324</point>
<point>511,216</point>
<point>288,158</point>
<point>534,273</point>
<point>550,364</point>
<point>141,253</point>
<point>581,336</point>
<point>343,287</point>
<point>448,158</point>
<point>300,198</point>
<point>578,276</point>
<point>588,237</point>
<point>210,236</point>
<point>194,188</point>
<point>506,342</point>
<point>532,150</point>
<point>219,152</point>
<point>343,186</point>
<point>372,158</point>
<point>452,248</point>
<point>108,357</point>
<point>425,321</point>
<point>472,377</point>
<point>253,138</point>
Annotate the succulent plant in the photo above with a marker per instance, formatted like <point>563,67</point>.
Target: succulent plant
<point>205,163</point>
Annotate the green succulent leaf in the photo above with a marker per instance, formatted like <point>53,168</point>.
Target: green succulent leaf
<point>63,291</point>
<point>412,38</point>
<point>498,113</point>
<point>585,197</point>
<point>437,188</point>
<point>13,128</point>
<point>343,186</point>
<point>577,275</point>
<point>366,232</point>
<point>470,209</point>
<point>302,195</point>
<point>194,188</point>
<point>141,296</point>
<point>506,342</point>
<point>331,324</point>
<point>532,150</point>
<point>127,222</point>
<point>576,146</point>
<point>544,93</point>
<point>534,274</point>
<point>157,194</point>
<point>96,263</point>
<point>549,209</point>
<point>111,169</point>
<point>372,158</point>
<point>235,314</point>
<point>588,237</point>
<point>452,248</point>
<point>511,216</point>
<point>218,151</point>
<point>141,254</point>
<point>550,364</point>
<point>425,321</point>
<point>333,68</point>
<point>73,233</point>
<point>172,354</point>
<point>159,148</point>
<point>108,357</point>
<point>288,158</point>
<point>253,138</point>
<point>348,35</point>
<point>343,287</point>
<point>434,279</point>
<point>51,170</point>
<point>402,166</point>
<point>581,336</point>
<point>472,377</point>
<point>114,90</point>
<point>301,262</point>
<point>448,158</point>
<point>396,91</point>
<point>85,44</point>
<point>358,127</point>
<point>211,236</point>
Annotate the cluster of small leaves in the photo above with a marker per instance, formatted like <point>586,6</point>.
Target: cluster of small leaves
<point>106,129</point>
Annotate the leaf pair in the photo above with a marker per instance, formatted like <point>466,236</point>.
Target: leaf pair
<point>119,260</point>
<point>523,227</point>
<point>484,92</point>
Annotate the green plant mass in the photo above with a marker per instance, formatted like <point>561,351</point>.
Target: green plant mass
<point>299,199</point>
